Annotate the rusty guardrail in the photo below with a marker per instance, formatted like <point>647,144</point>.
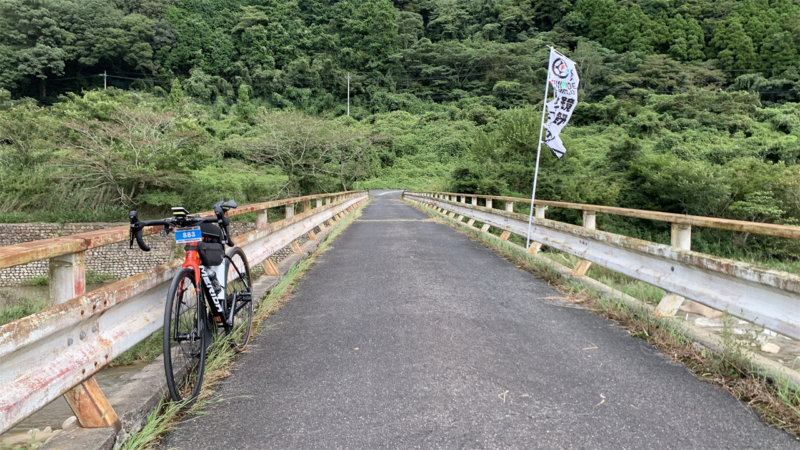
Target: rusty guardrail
<point>684,220</point>
<point>56,351</point>
<point>769,298</point>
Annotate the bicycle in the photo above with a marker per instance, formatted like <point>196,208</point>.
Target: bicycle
<point>211,291</point>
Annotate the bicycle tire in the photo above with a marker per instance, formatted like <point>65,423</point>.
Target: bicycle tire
<point>238,297</point>
<point>185,338</point>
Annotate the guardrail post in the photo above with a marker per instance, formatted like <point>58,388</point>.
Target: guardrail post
<point>90,405</point>
<point>506,234</point>
<point>67,277</point>
<point>536,246</point>
<point>489,203</point>
<point>590,222</point>
<point>261,219</point>
<point>327,200</point>
<point>681,237</point>
<point>463,199</point>
<point>319,203</point>
<point>289,211</point>
<point>307,205</point>
<point>475,201</point>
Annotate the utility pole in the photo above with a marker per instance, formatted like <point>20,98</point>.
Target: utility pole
<point>105,80</point>
<point>348,94</point>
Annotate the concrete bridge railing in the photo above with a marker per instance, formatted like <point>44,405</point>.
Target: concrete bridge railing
<point>57,351</point>
<point>768,298</point>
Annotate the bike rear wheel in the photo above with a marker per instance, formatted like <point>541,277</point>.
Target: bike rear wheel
<point>185,338</point>
<point>238,297</point>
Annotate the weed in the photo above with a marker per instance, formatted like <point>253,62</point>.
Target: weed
<point>145,351</point>
<point>93,277</point>
<point>22,308</point>
<point>41,280</point>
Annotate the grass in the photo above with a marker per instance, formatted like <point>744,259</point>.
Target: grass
<point>221,356</point>
<point>145,351</point>
<point>22,307</point>
<point>92,277</point>
<point>773,396</point>
<point>41,280</point>
<point>32,445</point>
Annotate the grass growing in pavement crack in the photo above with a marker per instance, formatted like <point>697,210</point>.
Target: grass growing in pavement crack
<point>776,399</point>
<point>221,356</point>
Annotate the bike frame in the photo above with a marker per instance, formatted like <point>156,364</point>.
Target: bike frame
<point>216,301</point>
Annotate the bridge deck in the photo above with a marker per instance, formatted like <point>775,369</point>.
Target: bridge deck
<point>408,334</point>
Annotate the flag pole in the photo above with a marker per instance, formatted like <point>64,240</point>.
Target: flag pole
<point>538,153</point>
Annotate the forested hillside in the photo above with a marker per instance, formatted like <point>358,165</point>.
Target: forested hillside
<point>685,106</point>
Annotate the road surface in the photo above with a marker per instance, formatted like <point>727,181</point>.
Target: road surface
<point>407,334</point>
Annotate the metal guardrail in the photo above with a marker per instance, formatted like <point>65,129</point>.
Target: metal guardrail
<point>56,351</point>
<point>769,229</point>
<point>766,297</point>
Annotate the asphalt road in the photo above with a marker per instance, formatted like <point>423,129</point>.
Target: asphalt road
<point>407,334</point>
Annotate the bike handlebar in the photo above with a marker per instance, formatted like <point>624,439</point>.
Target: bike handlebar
<point>219,211</point>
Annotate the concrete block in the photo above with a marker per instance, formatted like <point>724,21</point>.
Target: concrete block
<point>83,439</point>
<point>703,310</point>
<point>769,347</point>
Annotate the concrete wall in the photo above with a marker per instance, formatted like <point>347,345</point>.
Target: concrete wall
<point>115,259</point>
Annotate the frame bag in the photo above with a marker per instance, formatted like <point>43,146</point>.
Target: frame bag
<point>211,254</point>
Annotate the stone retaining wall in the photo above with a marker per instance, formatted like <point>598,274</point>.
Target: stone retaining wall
<point>115,259</point>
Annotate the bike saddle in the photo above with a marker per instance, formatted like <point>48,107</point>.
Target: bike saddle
<point>224,206</point>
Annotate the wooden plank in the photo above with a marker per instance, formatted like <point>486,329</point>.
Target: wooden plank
<point>534,248</point>
<point>590,222</point>
<point>270,268</point>
<point>91,406</point>
<point>296,248</point>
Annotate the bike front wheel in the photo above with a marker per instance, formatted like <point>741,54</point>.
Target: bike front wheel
<point>238,297</point>
<point>185,338</point>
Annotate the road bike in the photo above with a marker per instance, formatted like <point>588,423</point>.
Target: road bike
<point>210,295</point>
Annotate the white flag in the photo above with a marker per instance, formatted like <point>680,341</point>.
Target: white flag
<point>564,79</point>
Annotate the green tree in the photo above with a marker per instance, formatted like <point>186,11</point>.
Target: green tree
<point>735,48</point>
<point>367,32</point>
<point>41,61</point>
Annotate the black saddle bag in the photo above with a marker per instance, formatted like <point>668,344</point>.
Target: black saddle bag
<point>211,254</point>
